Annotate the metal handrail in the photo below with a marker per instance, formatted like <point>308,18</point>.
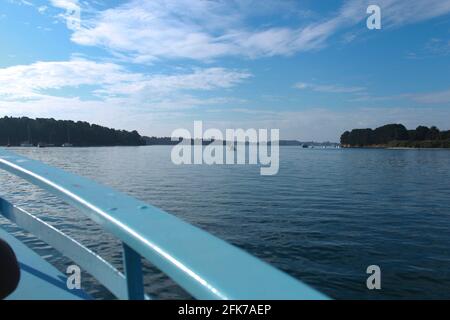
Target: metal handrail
<point>92,263</point>
<point>202,264</point>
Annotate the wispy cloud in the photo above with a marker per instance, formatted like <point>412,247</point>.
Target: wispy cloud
<point>202,30</point>
<point>42,9</point>
<point>426,98</point>
<point>434,47</point>
<point>31,81</point>
<point>65,4</point>
<point>199,79</point>
<point>438,47</point>
<point>398,12</point>
<point>440,97</point>
<point>22,2</point>
<point>28,81</point>
<point>328,88</point>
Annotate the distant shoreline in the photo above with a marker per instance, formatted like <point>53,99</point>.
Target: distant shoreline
<point>50,133</point>
<point>317,146</point>
<point>395,148</point>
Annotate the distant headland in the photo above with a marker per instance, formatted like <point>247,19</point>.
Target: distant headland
<point>396,136</point>
<point>48,132</point>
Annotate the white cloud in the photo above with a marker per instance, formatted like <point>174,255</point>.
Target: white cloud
<point>440,97</point>
<point>199,30</point>
<point>65,4</point>
<point>199,79</point>
<point>398,12</point>
<point>328,88</point>
<point>202,30</point>
<point>437,47</point>
<point>30,81</point>
<point>42,9</point>
<point>22,2</point>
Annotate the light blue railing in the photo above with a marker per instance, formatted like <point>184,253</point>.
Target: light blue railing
<point>205,266</point>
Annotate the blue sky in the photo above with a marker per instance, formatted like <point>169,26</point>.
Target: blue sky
<point>310,68</point>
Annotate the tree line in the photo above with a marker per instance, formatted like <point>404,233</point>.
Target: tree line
<point>396,135</point>
<point>15,131</point>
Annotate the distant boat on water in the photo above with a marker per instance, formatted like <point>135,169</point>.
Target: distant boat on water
<point>67,144</point>
<point>26,144</point>
<point>45,145</point>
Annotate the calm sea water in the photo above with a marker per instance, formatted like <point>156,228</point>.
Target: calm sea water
<point>324,218</point>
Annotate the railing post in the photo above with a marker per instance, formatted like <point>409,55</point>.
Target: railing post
<point>133,273</point>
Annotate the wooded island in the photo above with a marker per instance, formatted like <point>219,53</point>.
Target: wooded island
<point>396,136</point>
